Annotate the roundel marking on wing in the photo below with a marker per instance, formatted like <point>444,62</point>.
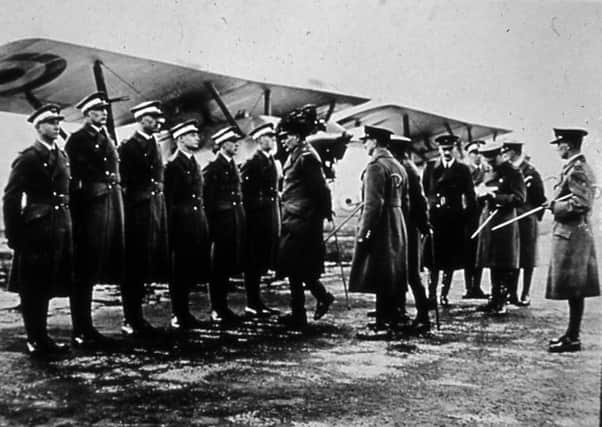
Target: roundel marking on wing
<point>26,71</point>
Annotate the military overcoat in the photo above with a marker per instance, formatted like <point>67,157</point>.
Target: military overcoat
<point>96,206</point>
<point>188,228</point>
<point>146,243</point>
<point>40,230</point>
<point>528,227</point>
<point>306,202</point>
<point>500,249</point>
<point>380,257</point>
<point>573,270</point>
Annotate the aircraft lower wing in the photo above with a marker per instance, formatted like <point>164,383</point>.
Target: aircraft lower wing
<point>43,70</point>
<point>420,126</point>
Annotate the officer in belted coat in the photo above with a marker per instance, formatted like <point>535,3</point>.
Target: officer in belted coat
<point>223,204</point>
<point>472,274</point>
<point>306,203</point>
<point>262,209</point>
<point>187,224</point>
<point>40,231</point>
<point>380,259</point>
<point>502,192</point>
<point>417,223</point>
<point>97,210</point>
<point>573,270</point>
<point>448,187</point>
<point>146,244</point>
<point>527,227</point>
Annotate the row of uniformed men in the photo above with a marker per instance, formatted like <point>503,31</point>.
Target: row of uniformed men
<point>395,212</point>
<point>95,213</point>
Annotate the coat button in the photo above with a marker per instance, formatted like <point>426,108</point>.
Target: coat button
<point>56,208</point>
<point>152,193</point>
<point>195,208</point>
<point>233,203</point>
<point>107,173</point>
<point>96,146</point>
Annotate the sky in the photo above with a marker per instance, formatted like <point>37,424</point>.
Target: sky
<point>525,65</point>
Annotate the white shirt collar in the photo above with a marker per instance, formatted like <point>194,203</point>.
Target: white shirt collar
<point>518,161</point>
<point>265,153</point>
<point>228,158</point>
<point>447,164</point>
<point>144,134</point>
<point>96,128</point>
<point>48,146</point>
<point>189,155</point>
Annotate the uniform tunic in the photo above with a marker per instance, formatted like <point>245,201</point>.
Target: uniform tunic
<point>141,171</point>
<point>573,271</point>
<point>97,206</point>
<point>40,231</point>
<point>380,258</point>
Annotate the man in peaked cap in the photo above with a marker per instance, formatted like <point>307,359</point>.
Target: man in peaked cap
<point>573,270</point>
<point>502,192</point>
<point>473,274</point>
<point>306,202</point>
<point>527,227</point>
<point>379,262</point>
<point>262,209</point>
<point>224,207</point>
<point>40,232</point>
<point>187,223</point>
<point>450,192</point>
<point>146,256</point>
<point>97,209</point>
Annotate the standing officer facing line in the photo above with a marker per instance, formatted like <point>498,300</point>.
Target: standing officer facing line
<point>527,227</point>
<point>147,259</point>
<point>40,233</point>
<point>187,224</point>
<point>380,259</point>
<point>97,210</point>
<point>262,209</point>
<point>306,202</point>
<point>224,208</point>
<point>573,271</point>
<point>448,187</point>
<point>502,191</point>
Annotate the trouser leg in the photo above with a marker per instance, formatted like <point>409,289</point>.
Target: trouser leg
<point>252,282</point>
<point>512,284</point>
<point>434,275</point>
<point>576,306</point>
<point>317,289</point>
<point>527,277</point>
<point>419,296</point>
<point>35,312</point>
<point>477,274</point>
<point>446,282</point>
<point>218,292</point>
<point>468,279</point>
<point>133,295</point>
<point>297,297</point>
<point>80,302</point>
<point>179,292</point>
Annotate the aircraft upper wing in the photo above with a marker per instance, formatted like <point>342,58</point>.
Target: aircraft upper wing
<point>62,73</point>
<point>420,126</point>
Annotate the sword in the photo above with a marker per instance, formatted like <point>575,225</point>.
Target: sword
<point>336,245</point>
<point>432,237</point>
<point>342,223</point>
<point>530,212</point>
<point>487,221</point>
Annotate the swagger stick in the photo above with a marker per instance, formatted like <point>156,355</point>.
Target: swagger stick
<point>336,245</point>
<point>529,212</point>
<point>345,221</point>
<point>482,226</point>
<point>432,237</point>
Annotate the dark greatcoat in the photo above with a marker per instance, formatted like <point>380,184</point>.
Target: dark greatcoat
<point>188,228</point>
<point>451,199</point>
<point>573,271</point>
<point>380,257</point>
<point>96,206</point>
<point>500,249</point>
<point>226,215</point>
<point>146,244</point>
<point>417,217</point>
<point>306,202</point>
<point>477,175</point>
<point>528,229</point>
<point>262,209</point>
<point>40,232</point>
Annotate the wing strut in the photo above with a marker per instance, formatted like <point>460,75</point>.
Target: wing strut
<point>469,131</point>
<point>101,86</point>
<point>220,102</point>
<point>406,125</point>
<point>36,103</point>
<point>449,129</point>
<point>267,102</point>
